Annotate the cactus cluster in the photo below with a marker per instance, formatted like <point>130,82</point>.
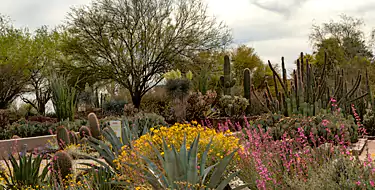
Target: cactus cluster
<point>65,137</point>
<point>309,91</point>
<point>226,81</point>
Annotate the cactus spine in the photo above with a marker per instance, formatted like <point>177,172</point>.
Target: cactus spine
<point>62,164</point>
<point>94,125</point>
<point>247,88</point>
<point>226,81</point>
<point>62,135</point>
<point>84,131</point>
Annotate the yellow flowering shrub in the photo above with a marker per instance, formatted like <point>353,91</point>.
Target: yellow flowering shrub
<point>222,144</point>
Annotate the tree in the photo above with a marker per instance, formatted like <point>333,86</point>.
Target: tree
<point>42,56</point>
<point>245,57</point>
<point>134,42</point>
<point>14,62</point>
<point>342,41</point>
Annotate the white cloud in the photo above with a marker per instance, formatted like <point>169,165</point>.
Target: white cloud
<point>274,28</point>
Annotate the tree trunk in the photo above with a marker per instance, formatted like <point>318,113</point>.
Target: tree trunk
<point>136,98</point>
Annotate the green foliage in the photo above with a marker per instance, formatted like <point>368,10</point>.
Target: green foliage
<point>62,136</point>
<point>64,98</point>
<point>178,88</point>
<point>94,125</point>
<point>245,57</point>
<point>144,57</point>
<point>84,131</point>
<point>24,128</point>
<point>319,125</point>
<point>232,106</point>
<point>15,61</point>
<point>180,169</point>
<point>24,172</point>
<point>145,121</point>
<point>310,90</point>
<point>62,165</point>
<point>114,107</point>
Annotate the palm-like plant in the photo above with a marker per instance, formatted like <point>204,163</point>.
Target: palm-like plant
<point>25,172</point>
<point>180,169</point>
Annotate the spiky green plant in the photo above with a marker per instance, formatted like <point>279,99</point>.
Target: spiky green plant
<point>112,151</point>
<point>94,125</point>
<point>180,170</point>
<point>24,172</point>
<point>64,98</point>
<point>62,136</point>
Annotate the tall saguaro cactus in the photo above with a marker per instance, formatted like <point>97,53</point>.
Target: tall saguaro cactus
<point>226,81</point>
<point>247,88</point>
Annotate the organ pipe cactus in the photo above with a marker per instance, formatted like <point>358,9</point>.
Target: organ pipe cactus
<point>309,90</point>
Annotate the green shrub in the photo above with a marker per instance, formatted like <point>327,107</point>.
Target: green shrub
<point>325,125</point>
<point>232,106</point>
<point>114,107</point>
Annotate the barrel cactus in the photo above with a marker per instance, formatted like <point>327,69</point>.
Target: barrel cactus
<point>62,164</point>
<point>62,135</point>
<point>84,131</point>
<point>73,137</point>
<point>94,125</point>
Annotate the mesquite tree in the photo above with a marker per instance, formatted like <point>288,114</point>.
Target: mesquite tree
<point>134,42</point>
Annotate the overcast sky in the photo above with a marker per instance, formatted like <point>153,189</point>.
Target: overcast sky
<point>274,28</point>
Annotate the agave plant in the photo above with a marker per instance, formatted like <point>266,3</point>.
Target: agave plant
<point>24,173</point>
<point>111,149</point>
<point>180,169</point>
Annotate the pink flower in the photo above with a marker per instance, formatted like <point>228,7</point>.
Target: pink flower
<point>358,183</point>
<point>325,122</point>
<point>372,183</point>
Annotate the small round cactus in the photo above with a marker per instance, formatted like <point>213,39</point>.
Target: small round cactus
<point>94,125</point>
<point>62,164</point>
<point>84,131</point>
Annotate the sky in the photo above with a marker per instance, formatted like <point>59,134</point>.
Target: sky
<point>274,28</point>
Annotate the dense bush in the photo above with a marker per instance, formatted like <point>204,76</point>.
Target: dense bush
<point>291,163</point>
<point>323,125</point>
<point>198,105</point>
<point>24,128</point>
<point>232,106</point>
<point>114,107</point>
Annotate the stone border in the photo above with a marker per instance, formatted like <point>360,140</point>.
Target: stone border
<point>358,147</point>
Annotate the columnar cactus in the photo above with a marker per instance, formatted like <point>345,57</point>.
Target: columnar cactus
<point>247,88</point>
<point>62,164</point>
<point>84,131</point>
<point>62,135</point>
<point>310,90</point>
<point>94,125</point>
<point>226,81</point>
